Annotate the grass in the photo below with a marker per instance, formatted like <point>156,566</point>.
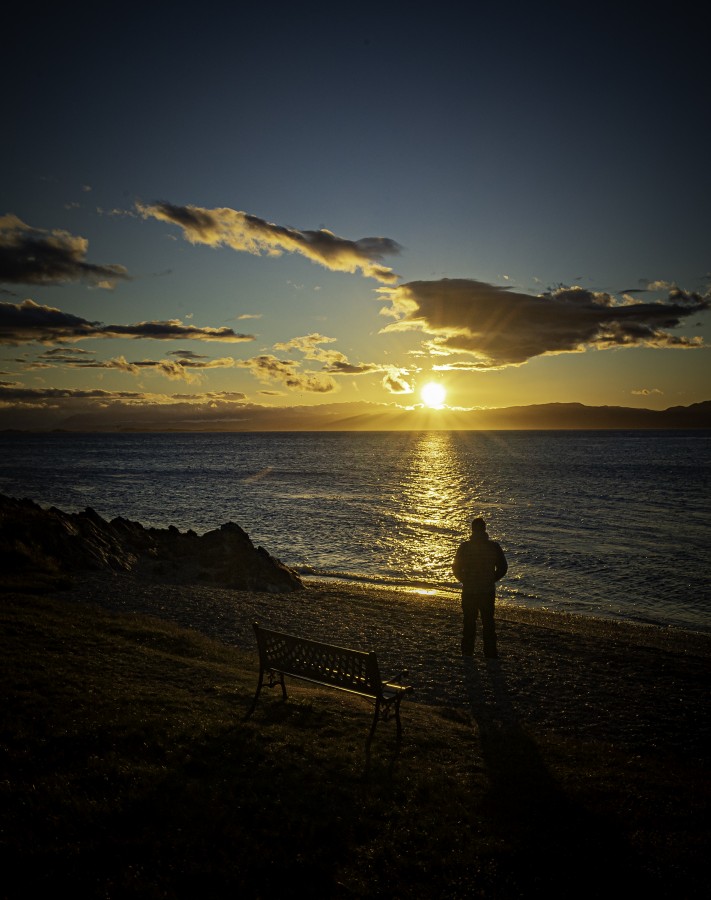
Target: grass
<point>127,769</point>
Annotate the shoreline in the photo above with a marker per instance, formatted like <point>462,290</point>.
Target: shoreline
<point>633,685</point>
<point>427,590</point>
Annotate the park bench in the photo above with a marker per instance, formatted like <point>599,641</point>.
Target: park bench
<point>354,671</point>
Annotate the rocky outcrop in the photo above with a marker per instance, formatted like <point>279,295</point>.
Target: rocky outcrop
<point>55,543</point>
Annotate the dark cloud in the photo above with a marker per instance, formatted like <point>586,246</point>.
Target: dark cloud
<point>186,354</point>
<point>343,367</point>
<point>25,322</point>
<point>501,327</point>
<point>58,356</point>
<point>224,362</point>
<point>47,396</point>
<point>43,408</point>
<point>65,353</point>
<point>34,256</point>
<point>224,396</point>
<point>22,323</point>
<point>49,407</point>
<point>118,362</point>
<point>244,232</point>
<point>182,369</point>
<point>11,392</point>
<point>171,330</point>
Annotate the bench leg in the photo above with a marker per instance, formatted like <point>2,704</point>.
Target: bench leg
<point>384,711</point>
<point>375,722</point>
<point>273,682</point>
<point>279,680</point>
<point>256,696</point>
<point>397,719</point>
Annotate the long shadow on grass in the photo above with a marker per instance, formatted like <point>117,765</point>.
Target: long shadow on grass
<point>554,845</point>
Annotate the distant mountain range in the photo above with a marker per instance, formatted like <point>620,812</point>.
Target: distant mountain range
<point>363,416</point>
<point>545,416</point>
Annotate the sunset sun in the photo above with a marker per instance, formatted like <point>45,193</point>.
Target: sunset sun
<point>433,395</point>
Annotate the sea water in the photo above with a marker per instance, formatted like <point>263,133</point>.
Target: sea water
<point>606,523</point>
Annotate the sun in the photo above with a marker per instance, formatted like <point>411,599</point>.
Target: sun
<point>433,395</point>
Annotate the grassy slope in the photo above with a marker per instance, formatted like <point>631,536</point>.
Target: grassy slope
<point>126,769</point>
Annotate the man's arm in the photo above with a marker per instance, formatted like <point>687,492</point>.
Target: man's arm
<point>458,564</point>
<point>502,566</point>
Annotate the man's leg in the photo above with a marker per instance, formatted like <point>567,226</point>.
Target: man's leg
<point>469,628</point>
<point>488,627</point>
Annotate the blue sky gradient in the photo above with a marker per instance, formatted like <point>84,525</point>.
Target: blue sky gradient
<point>528,149</point>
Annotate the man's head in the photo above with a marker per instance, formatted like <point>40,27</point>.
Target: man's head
<point>478,525</point>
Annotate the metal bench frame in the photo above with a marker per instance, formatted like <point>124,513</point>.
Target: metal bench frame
<point>353,671</point>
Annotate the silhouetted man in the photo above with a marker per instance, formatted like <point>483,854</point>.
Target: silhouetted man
<point>479,563</point>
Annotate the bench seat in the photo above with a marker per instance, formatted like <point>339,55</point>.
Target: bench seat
<point>328,665</point>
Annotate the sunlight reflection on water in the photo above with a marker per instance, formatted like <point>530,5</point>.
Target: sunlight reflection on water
<point>610,523</point>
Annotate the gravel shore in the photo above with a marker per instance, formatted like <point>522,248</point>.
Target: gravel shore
<point>631,685</point>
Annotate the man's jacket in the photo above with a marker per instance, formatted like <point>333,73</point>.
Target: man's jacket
<point>479,563</point>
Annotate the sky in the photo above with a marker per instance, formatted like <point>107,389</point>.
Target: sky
<point>210,214</point>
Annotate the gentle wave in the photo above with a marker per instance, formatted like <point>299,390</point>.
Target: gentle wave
<point>611,524</point>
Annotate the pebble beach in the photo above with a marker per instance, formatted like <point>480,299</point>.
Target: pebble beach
<point>634,686</point>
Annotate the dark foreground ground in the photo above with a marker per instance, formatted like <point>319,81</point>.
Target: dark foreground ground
<point>574,766</point>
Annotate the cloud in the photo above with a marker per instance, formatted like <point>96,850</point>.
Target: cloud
<point>500,327</point>
<point>335,362</point>
<point>51,396</point>
<point>35,256</point>
<point>225,362</point>
<point>10,391</point>
<point>173,329</point>
<point>22,323</point>
<point>186,369</point>
<point>111,408</point>
<point>65,353</point>
<point>343,367</point>
<point>244,232</point>
<point>186,354</point>
<point>25,322</point>
<point>309,345</point>
<point>397,382</point>
<point>42,408</point>
<point>268,369</point>
<point>180,369</point>
<point>118,362</point>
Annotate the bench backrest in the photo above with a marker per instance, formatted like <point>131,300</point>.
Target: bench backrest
<point>350,670</point>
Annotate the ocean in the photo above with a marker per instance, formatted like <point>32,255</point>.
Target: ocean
<point>613,524</point>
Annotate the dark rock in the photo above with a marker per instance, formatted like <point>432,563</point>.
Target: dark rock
<point>35,540</point>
